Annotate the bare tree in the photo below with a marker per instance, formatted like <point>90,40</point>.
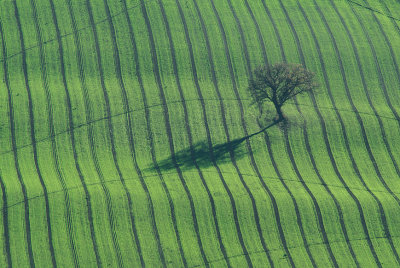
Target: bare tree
<point>278,83</point>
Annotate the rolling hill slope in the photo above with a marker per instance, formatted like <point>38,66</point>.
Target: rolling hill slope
<point>121,126</point>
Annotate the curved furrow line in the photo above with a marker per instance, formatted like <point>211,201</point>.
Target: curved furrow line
<point>32,134</point>
<point>128,128</point>
<point>68,214</point>
<point>270,152</point>
<point>367,145</point>
<point>259,35</point>
<point>308,148</point>
<point>172,102</point>
<point>315,202</point>
<point>338,207</point>
<point>3,188</point>
<point>383,86</point>
<point>270,195</point>
<point>340,120</point>
<point>61,179</point>
<point>356,170</point>
<point>266,9</point>
<point>214,79</point>
<point>88,114</point>
<point>253,162</point>
<point>196,81</point>
<point>234,85</point>
<point>333,101</point>
<point>381,211</point>
<point>318,210</point>
<point>33,138</point>
<point>379,204</point>
<point>231,153</point>
<point>188,130</point>
<point>72,33</point>
<point>280,229</point>
<point>131,141</point>
<point>112,219</point>
<point>171,173</point>
<point>294,247</point>
<point>319,176</point>
<point>156,72</point>
<point>383,218</point>
<point>396,26</point>
<point>6,233</point>
<point>326,140</point>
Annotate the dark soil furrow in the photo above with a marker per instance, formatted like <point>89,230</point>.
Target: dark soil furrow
<point>312,158</point>
<point>204,171</point>
<point>293,247</point>
<point>156,72</point>
<point>112,218</point>
<point>314,165</point>
<point>333,101</point>
<point>259,35</point>
<point>199,93</point>
<point>281,232</point>
<point>231,152</point>
<point>325,135</point>
<point>266,9</point>
<point>92,121</point>
<point>396,65</point>
<point>32,134</point>
<point>364,135</point>
<point>188,130</point>
<point>88,114</point>
<point>51,125</point>
<point>3,188</point>
<point>214,79</point>
<point>131,141</point>
<point>271,155</point>
<point>315,203</point>
<point>76,31</point>
<point>320,223</point>
<point>359,120</point>
<point>383,86</point>
<point>6,233</point>
<point>128,128</point>
<point>243,121</point>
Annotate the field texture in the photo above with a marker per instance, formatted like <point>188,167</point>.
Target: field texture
<point>121,125</point>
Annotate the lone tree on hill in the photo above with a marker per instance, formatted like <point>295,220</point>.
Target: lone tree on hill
<point>278,83</point>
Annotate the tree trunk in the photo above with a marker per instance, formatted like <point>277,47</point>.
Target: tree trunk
<point>280,116</point>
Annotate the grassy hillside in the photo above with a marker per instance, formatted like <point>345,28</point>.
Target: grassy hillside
<point>119,128</point>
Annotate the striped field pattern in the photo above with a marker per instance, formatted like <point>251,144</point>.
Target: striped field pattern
<point>121,125</point>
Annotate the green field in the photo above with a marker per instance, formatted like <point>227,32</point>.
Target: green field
<point>119,122</point>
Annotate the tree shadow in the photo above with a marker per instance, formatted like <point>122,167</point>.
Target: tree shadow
<point>202,155</point>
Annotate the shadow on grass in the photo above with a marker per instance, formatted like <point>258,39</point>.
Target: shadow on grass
<point>202,155</point>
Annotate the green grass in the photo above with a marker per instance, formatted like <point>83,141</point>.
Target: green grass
<point>121,121</point>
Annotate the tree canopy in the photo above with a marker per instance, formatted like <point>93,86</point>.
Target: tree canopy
<point>278,83</point>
